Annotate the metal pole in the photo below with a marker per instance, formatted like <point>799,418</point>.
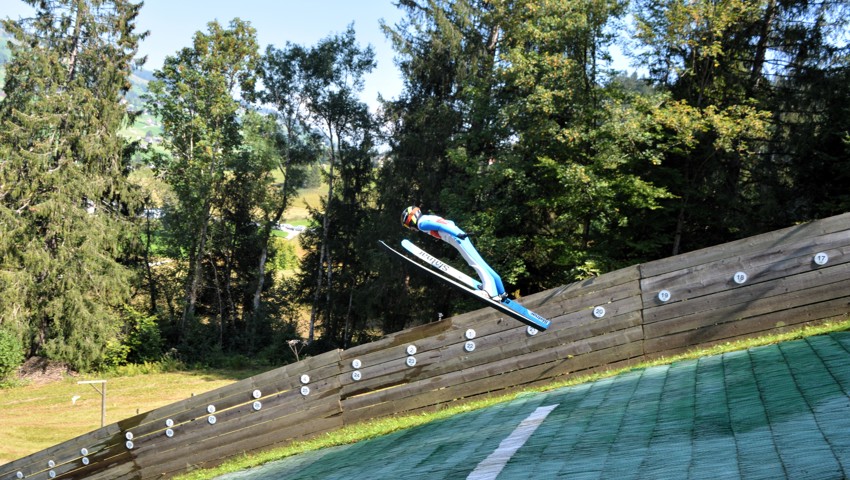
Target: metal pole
<point>103,405</point>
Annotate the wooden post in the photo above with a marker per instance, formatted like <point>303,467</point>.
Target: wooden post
<point>102,393</point>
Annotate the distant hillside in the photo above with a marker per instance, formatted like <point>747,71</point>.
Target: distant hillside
<point>139,81</point>
<point>144,75</point>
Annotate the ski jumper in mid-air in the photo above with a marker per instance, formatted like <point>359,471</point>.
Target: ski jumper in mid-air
<point>488,291</point>
<point>447,231</point>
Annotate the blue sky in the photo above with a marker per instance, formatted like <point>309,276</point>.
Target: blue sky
<point>173,22</point>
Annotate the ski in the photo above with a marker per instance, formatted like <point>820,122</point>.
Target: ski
<point>467,284</point>
<point>440,265</point>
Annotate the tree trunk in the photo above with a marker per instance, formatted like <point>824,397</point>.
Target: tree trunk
<point>324,256</point>
<point>264,253</point>
<point>761,47</point>
<point>72,61</point>
<point>317,294</point>
<point>267,232</point>
<point>230,310</point>
<point>221,315</point>
<point>680,227</point>
<point>195,271</point>
<point>346,334</point>
<point>148,269</point>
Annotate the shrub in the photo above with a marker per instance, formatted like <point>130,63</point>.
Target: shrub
<point>11,353</point>
<point>143,338</point>
<point>115,354</point>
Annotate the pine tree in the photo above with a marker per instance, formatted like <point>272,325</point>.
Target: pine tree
<point>66,208</point>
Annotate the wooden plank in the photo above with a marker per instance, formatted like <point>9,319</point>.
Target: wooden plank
<point>395,371</point>
<point>630,353</point>
<point>392,357</point>
<point>318,389</point>
<point>304,423</point>
<point>269,383</point>
<point>491,348</point>
<point>488,349</point>
<point>753,307</point>
<point>591,285</point>
<point>236,418</point>
<point>747,246</point>
<point>707,279</point>
<point>618,307</point>
<point>108,442</point>
<point>120,471</point>
<point>540,383</point>
<point>469,381</point>
<point>573,297</point>
<point>587,301</point>
<point>509,380</point>
<point>68,451</point>
<point>749,293</point>
<point>374,361</point>
<point>120,463</point>
<point>220,454</point>
<point>625,345</point>
<point>378,376</point>
<point>774,322</point>
<point>190,450</point>
<point>197,421</point>
<point>484,322</point>
<point>397,340</point>
<point>588,331</point>
<point>833,244</point>
<point>278,381</point>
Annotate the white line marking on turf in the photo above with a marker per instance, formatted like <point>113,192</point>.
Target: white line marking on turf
<point>493,465</point>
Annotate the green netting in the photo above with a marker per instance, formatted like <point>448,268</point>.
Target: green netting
<point>780,411</point>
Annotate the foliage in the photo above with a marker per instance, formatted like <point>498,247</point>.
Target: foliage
<point>511,123</point>
<point>319,89</point>
<point>728,67</point>
<point>283,254</point>
<point>66,209</point>
<point>582,180</point>
<point>11,352</point>
<point>143,337</point>
<point>192,94</point>
<point>524,145</point>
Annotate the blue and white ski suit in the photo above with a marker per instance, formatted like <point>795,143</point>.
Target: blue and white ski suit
<point>447,231</point>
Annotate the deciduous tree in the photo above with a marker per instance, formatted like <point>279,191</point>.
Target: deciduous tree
<point>334,73</point>
<point>196,95</point>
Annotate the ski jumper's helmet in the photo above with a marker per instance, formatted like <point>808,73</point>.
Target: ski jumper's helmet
<point>410,217</point>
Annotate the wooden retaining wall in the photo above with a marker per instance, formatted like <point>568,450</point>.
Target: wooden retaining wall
<point>784,287</point>
<point>763,284</point>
